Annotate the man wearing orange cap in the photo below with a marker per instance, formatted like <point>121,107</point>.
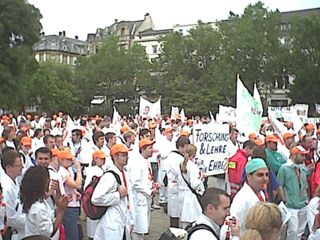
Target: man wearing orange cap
<point>25,152</point>
<point>293,177</point>
<point>113,224</point>
<point>143,189</point>
<point>274,158</point>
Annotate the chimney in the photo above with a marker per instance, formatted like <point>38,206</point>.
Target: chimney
<point>63,33</point>
<point>76,37</point>
<point>115,20</point>
<point>146,15</point>
<point>60,33</point>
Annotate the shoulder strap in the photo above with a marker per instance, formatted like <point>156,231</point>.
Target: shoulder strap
<point>115,175</point>
<point>177,152</point>
<point>202,226</point>
<point>188,184</point>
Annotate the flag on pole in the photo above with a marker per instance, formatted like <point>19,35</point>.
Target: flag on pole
<point>248,110</point>
<point>182,115</point>
<point>256,96</point>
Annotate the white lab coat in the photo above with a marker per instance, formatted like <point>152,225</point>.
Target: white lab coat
<point>243,201</point>
<point>190,207</point>
<point>39,220</point>
<point>15,218</point>
<point>91,172</point>
<point>119,213</point>
<point>173,172</point>
<point>141,183</point>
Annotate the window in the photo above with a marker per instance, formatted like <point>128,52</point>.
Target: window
<point>154,48</point>
<point>122,31</point>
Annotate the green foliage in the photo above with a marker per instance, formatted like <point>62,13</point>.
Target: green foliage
<point>305,59</point>
<point>19,30</point>
<point>113,72</point>
<point>53,88</point>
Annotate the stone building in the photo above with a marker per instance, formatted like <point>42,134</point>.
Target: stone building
<point>59,48</point>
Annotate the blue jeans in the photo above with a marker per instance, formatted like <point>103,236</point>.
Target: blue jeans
<point>70,223</point>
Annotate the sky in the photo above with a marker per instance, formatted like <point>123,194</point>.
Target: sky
<point>80,17</point>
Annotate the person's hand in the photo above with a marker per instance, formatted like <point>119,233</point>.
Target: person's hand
<point>62,203</point>
<point>316,223</point>
<point>78,195</point>
<point>78,166</point>
<point>54,185</point>
<point>311,167</point>
<point>235,227</point>
<point>122,191</point>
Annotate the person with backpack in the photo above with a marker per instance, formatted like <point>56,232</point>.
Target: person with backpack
<point>215,205</point>
<point>118,199</point>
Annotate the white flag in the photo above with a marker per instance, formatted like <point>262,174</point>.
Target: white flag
<point>248,113</point>
<point>182,115</point>
<point>256,96</point>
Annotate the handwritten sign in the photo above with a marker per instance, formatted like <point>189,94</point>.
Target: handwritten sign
<point>211,141</point>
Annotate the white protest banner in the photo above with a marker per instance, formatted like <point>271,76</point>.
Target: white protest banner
<point>302,111</point>
<point>256,96</point>
<point>226,114</point>
<point>174,112</point>
<point>248,111</point>
<point>317,106</point>
<point>182,115</point>
<point>280,112</point>
<point>149,109</point>
<point>211,141</point>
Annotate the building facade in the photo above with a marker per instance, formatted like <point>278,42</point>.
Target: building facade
<point>59,48</point>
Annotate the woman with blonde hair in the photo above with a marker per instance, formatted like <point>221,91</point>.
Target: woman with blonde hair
<point>190,187</point>
<point>263,223</point>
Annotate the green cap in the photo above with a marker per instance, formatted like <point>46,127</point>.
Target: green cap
<point>255,164</point>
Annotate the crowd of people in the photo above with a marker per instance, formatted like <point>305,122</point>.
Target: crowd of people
<point>48,161</point>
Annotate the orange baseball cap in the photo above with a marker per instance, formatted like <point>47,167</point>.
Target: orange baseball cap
<point>54,152</point>
<point>299,150</point>
<point>124,129</point>
<point>252,136</point>
<point>145,142</point>
<point>310,127</point>
<point>271,138</point>
<point>26,141</point>
<point>185,133</point>
<point>152,125</point>
<point>65,154</point>
<point>288,135</point>
<point>119,148</point>
<point>98,154</point>
<point>258,142</point>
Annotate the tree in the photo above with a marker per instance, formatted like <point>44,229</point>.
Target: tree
<point>53,88</point>
<point>19,30</point>
<point>305,60</point>
<point>251,45</point>
<point>113,72</point>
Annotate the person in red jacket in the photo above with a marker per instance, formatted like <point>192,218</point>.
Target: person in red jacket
<point>237,164</point>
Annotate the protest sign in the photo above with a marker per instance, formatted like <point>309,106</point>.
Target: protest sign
<point>211,141</point>
<point>149,109</point>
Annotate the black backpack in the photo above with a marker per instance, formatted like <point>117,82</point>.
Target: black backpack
<point>192,227</point>
<point>92,211</point>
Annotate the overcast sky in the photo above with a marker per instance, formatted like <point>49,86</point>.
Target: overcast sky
<point>80,17</point>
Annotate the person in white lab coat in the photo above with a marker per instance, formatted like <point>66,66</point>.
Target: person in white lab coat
<point>252,191</point>
<point>12,165</point>
<point>41,219</point>
<point>96,169</point>
<point>141,179</point>
<point>190,206</point>
<point>113,224</point>
<point>173,172</point>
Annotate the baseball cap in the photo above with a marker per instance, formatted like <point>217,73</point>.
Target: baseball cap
<point>124,129</point>
<point>98,154</point>
<point>258,142</point>
<point>54,152</point>
<point>252,136</point>
<point>26,141</point>
<point>288,135</point>
<point>145,142</point>
<point>271,138</point>
<point>119,148</point>
<point>65,154</point>
<point>299,150</point>
<point>185,133</point>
